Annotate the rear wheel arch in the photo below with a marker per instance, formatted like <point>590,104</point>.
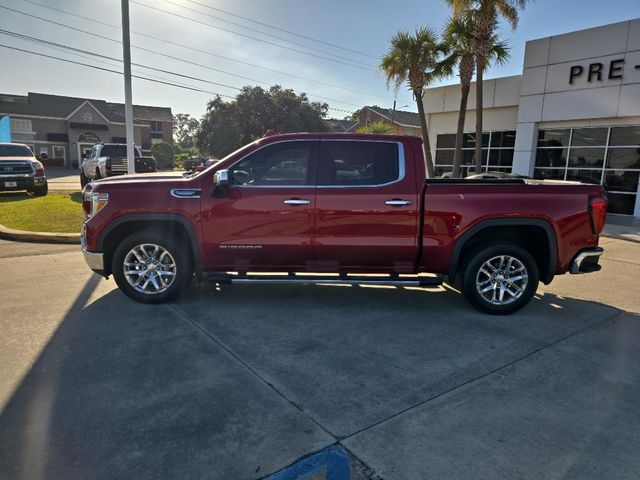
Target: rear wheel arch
<point>536,235</point>
<point>171,224</point>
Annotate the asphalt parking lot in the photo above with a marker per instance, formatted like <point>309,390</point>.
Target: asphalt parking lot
<point>242,381</point>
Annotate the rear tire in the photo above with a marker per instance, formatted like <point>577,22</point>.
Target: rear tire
<point>83,179</point>
<point>98,176</point>
<point>501,278</point>
<point>151,267</point>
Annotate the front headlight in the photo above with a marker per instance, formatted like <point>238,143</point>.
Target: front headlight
<point>93,202</point>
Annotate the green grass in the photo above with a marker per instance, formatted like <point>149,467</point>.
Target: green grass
<point>57,212</point>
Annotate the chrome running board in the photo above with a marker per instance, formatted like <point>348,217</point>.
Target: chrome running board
<point>329,279</point>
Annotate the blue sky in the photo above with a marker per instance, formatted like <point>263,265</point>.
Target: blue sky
<point>360,25</point>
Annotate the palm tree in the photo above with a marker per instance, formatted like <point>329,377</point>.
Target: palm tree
<point>486,14</point>
<point>458,35</point>
<point>418,59</point>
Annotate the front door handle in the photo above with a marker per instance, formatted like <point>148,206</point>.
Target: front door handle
<point>297,201</point>
<point>397,202</point>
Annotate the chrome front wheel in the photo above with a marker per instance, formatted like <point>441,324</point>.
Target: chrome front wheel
<point>501,280</point>
<point>149,268</point>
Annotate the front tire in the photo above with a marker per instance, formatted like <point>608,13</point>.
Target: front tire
<point>500,279</point>
<point>41,191</point>
<point>151,267</point>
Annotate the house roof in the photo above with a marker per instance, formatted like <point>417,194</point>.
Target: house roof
<point>401,117</point>
<point>41,104</point>
<point>339,126</point>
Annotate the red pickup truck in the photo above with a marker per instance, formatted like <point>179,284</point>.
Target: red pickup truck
<point>355,206</point>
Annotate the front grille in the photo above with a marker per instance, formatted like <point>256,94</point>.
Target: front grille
<point>15,168</point>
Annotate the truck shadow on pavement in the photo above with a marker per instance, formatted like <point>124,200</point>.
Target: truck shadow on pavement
<point>240,381</point>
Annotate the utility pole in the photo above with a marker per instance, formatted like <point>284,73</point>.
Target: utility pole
<point>128,102</point>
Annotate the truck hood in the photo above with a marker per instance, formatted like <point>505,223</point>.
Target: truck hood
<point>17,159</point>
<point>140,177</point>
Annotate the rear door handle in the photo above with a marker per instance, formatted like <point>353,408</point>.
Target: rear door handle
<point>297,201</point>
<point>397,202</point>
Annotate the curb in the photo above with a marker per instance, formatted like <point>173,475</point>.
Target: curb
<point>38,237</point>
<point>619,237</point>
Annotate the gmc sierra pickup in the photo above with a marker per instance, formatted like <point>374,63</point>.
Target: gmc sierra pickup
<point>356,206</point>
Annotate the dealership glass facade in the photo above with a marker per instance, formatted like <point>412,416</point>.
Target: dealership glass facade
<point>609,156</point>
<point>497,152</point>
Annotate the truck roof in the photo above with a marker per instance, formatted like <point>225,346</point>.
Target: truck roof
<point>337,136</point>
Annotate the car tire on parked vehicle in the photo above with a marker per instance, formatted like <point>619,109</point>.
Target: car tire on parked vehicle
<point>40,191</point>
<point>83,179</point>
<point>500,278</point>
<point>151,267</point>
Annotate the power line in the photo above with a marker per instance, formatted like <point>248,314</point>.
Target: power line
<point>354,65</point>
<point>182,45</point>
<point>106,57</point>
<point>111,71</point>
<point>283,30</point>
<point>66,47</point>
<point>199,12</point>
<point>140,77</point>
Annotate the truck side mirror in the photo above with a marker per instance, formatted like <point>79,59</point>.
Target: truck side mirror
<point>220,183</point>
<point>221,178</point>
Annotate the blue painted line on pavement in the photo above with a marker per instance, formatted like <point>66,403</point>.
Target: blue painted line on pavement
<point>334,458</point>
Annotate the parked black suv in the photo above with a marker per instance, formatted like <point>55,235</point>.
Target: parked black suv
<point>21,170</point>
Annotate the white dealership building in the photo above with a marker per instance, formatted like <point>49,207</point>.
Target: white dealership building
<point>573,114</point>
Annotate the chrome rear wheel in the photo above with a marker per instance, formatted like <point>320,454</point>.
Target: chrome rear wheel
<point>501,280</point>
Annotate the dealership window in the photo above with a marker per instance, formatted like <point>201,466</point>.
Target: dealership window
<point>600,155</point>
<point>497,152</point>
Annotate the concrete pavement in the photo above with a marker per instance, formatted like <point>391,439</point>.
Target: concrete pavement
<point>241,381</point>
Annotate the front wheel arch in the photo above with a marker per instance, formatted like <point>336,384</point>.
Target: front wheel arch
<point>125,225</point>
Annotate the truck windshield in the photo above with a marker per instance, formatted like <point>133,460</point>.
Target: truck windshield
<point>15,151</point>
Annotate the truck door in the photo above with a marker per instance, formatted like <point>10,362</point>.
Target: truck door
<point>367,206</point>
<point>267,216</point>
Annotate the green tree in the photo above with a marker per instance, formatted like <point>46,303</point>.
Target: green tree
<point>226,126</point>
<point>459,36</point>
<point>486,14</point>
<point>418,59</point>
<point>379,127</point>
<point>185,128</point>
<point>163,153</point>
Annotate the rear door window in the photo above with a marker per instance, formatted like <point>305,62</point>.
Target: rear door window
<point>358,163</point>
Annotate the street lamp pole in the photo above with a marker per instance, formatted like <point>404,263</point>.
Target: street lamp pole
<point>128,102</point>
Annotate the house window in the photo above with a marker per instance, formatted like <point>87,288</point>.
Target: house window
<point>156,127</point>
<point>21,130</point>
<point>497,152</point>
<point>608,156</point>
<point>58,152</point>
